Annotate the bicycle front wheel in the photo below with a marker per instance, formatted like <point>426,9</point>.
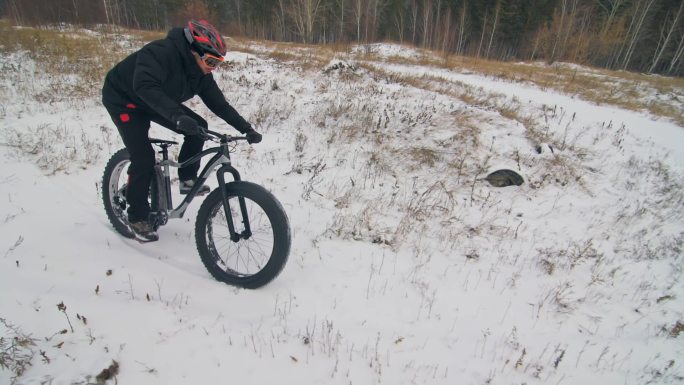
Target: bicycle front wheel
<point>248,262</point>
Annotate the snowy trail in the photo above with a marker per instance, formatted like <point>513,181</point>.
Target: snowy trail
<point>144,305</point>
<point>662,132</point>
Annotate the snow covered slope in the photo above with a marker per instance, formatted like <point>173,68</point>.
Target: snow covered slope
<point>406,267</point>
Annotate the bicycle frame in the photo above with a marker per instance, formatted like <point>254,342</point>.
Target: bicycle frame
<point>220,162</point>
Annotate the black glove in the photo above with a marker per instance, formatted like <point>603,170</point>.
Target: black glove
<point>252,136</point>
<point>188,125</point>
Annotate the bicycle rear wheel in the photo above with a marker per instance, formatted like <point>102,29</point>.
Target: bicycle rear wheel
<point>114,183</point>
<point>252,262</point>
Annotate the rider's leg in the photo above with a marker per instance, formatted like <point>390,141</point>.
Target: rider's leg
<point>133,127</point>
<point>192,145</point>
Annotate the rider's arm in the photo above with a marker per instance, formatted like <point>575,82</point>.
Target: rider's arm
<point>148,77</point>
<point>212,96</point>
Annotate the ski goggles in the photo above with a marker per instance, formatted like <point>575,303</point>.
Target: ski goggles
<point>210,60</point>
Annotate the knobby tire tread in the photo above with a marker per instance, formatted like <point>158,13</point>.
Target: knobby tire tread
<point>279,223</point>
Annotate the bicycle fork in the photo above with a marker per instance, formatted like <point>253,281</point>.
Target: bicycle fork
<point>234,235</point>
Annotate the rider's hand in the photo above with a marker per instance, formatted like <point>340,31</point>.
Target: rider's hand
<point>188,125</point>
<point>202,132</point>
<point>252,136</point>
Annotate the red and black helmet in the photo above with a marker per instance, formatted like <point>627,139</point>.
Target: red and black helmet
<point>204,38</point>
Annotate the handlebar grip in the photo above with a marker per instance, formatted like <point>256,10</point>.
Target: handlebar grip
<point>225,137</point>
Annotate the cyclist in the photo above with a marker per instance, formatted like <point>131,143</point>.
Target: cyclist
<point>151,85</point>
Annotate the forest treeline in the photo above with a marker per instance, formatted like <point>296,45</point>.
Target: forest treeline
<point>636,35</point>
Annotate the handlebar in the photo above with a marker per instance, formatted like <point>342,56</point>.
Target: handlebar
<point>223,138</point>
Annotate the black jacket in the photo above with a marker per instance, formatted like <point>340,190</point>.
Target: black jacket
<point>162,75</point>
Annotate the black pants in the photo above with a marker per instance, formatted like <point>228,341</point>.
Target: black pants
<point>133,125</point>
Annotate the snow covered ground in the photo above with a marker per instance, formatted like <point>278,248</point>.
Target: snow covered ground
<point>407,267</point>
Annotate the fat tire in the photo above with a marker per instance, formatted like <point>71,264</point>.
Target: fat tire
<point>115,166</point>
<point>280,229</point>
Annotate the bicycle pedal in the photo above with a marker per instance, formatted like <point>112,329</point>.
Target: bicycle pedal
<point>144,241</point>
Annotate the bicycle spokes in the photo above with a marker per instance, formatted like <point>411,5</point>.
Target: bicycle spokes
<point>230,214</point>
<point>237,248</point>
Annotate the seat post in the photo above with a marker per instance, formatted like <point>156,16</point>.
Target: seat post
<point>166,173</point>
<point>164,146</point>
<point>164,150</point>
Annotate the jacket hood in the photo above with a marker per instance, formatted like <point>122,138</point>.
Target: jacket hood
<point>177,36</point>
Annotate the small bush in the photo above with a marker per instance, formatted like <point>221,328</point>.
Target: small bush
<point>677,329</point>
<point>16,350</point>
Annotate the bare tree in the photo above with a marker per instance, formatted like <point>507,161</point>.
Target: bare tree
<point>73,2</point>
<point>358,10</point>
<point>115,12</point>
<point>677,57</point>
<point>436,38</point>
<point>638,18</point>
<point>611,8</point>
<point>567,29</point>
<point>414,20</point>
<point>581,34</point>
<point>484,28</point>
<point>375,12</point>
<point>399,24</point>
<point>461,29</point>
<point>341,4</point>
<point>661,48</point>
<point>497,10</point>
<point>279,14</point>
<point>571,26</point>
<point>104,5</point>
<point>304,14</point>
<point>561,27</point>
<point>238,9</point>
<point>15,12</point>
<point>427,22</point>
<point>447,32</point>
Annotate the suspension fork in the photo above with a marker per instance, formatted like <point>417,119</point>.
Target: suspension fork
<point>234,236</point>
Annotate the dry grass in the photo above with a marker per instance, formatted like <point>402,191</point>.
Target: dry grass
<point>620,88</point>
<point>425,57</point>
<point>601,86</point>
<point>422,156</point>
<point>677,329</point>
<point>65,52</point>
<point>561,170</point>
<point>308,57</point>
<point>17,350</point>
